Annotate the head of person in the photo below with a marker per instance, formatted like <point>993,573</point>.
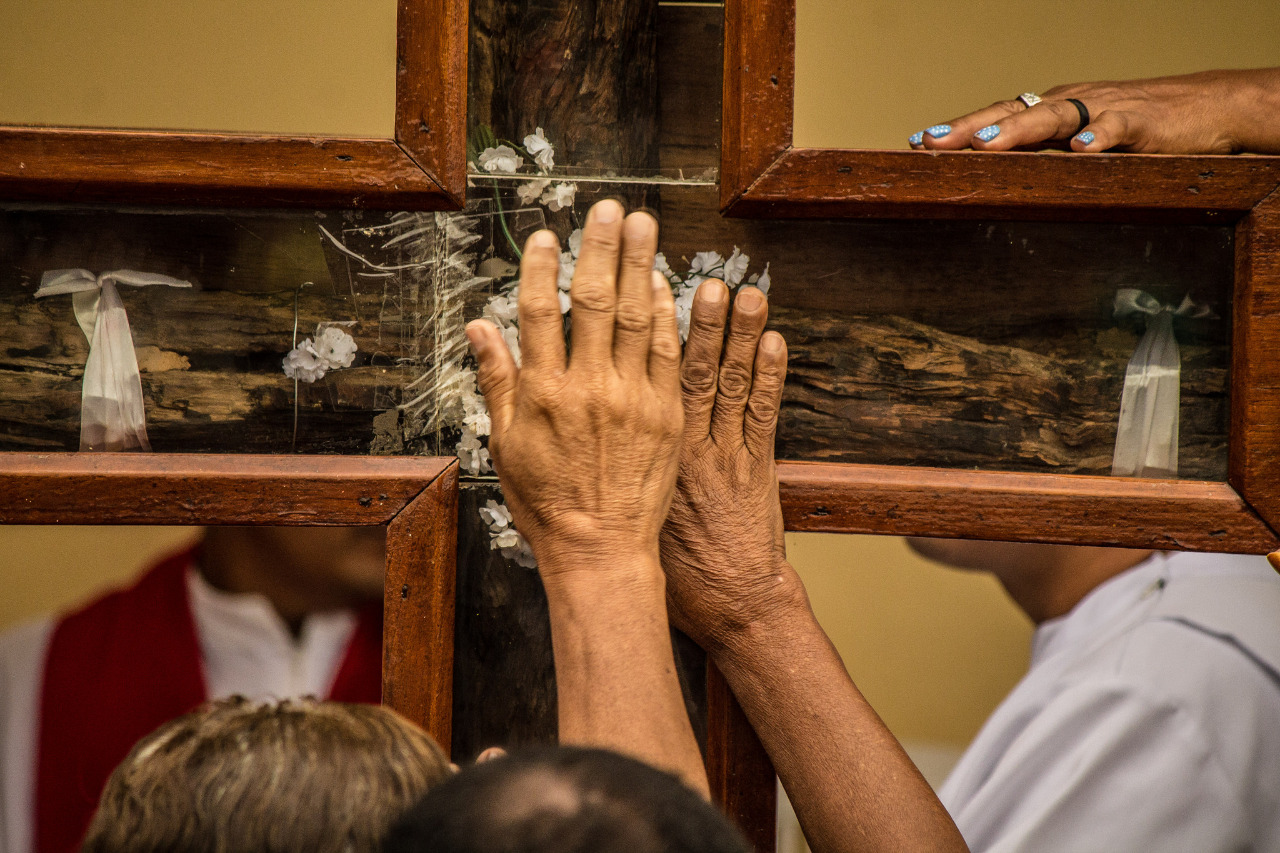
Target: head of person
<point>297,775</point>
<point>567,800</point>
<point>336,566</point>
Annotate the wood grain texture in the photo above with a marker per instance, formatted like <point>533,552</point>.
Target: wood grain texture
<point>136,488</point>
<point>742,779</point>
<point>764,176</point>
<point>418,608</point>
<point>1255,399</point>
<point>431,86</point>
<point>1055,508</point>
<point>159,167</point>
<point>758,92</point>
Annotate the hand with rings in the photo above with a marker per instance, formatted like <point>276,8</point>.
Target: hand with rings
<point>1211,112</point>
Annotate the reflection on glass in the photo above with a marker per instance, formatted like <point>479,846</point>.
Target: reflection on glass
<point>869,73</point>
<point>323,67</point>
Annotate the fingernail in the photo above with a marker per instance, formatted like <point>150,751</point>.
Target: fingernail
<point>988,133</point>
<point>1085,137</point>
<point>938,130</point>
<point>606,211</point>
<point>476,338</point>
<point>544,239</point>
<point>711,293</point>
<point>772,343</point>
<point>916,138</point>
<point>750,298</point>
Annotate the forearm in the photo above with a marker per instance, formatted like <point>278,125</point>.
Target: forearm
<point>1255,101</point>
<point>616,681</point>
<point>852,785</point>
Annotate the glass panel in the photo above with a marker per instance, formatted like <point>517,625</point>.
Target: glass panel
<point>869,73</point>
<point>324,67</point>
<point>635,93</point>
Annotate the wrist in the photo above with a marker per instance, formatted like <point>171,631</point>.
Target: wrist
<point>780,610</point>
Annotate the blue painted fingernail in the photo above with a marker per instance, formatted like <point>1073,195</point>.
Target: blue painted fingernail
<point>988,133</point>
<point>916,138</point>
<point>1085,137</point>
<point>938,130</point>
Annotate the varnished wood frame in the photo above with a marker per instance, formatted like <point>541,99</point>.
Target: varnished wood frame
<point>415,497</point>
<point>422,167</point>
<point>764,175</point>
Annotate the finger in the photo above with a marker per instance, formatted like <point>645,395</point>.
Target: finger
<point>633,318</point>
<point>766,395</point>
<point>1274,559</point>
<point>700,371</point>
<point>594,292</point>
<point>959,131</point>
<point>750,310</point>
<point>541,324</point>
<point>497,374</point>
<point>1110,129</point>
<point>1046,121</point>
<point>664,344</point>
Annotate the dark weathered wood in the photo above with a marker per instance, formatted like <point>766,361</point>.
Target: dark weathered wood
<point>69,164</point>
<point>742,780</point>
<point>888,390</point>
<point>1255,399</point>
<point>585,71</point>
<point>137,488</point>
<point>764,175</point>
<point>417,633</point>
<point>1054,508</point>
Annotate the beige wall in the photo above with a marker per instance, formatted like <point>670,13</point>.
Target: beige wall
<point>283,66</point>
<point>869,73</point>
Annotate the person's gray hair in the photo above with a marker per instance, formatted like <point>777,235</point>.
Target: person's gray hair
<point>304,775</point>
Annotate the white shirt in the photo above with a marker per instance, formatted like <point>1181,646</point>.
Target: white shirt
<point>246,649</point>
<point>1149,720</point>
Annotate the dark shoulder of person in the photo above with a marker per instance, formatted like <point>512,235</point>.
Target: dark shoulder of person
<point>563,799</point>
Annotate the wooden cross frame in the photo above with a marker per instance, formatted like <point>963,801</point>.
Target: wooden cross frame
<point>423,166</point>
<point>763,175</point>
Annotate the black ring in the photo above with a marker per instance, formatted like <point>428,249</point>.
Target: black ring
<point>1084,114</point>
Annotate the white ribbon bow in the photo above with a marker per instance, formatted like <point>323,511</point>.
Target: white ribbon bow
<point>111,412</point>
<point>1147,436</point>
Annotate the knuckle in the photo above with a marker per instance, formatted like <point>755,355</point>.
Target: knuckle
<point>735,382</point>
<point>601,239</point>
<point>539,310</point>
<point>632,317</point>
<point>698,379</point>
<point>592,299</point>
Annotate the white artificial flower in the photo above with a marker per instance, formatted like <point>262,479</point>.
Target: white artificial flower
<point>559,197</point>
<point>529,192</point>
<point>660,264</point>
<point>762,280</point>
<point>473,457</point>
<point>505,539</point>
<point>503,309</point>
<point>511,335</point>
<point>568,263</point>
<point>522,554</point>
<point>705,262</point>
<point>575,242</point>
<point>335,346</point>
<point>304,363</point>
<point>735,268</point>
<point>565,302</point>
<point>478,422</point>
<point>496,515</point>
<point>538,146</point>
<point>503,159</point>
<point>684,309</point>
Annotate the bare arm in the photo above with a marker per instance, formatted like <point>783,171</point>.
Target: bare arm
<point>1210,112</point>
<point>731,588</point>
<point>586,448</point>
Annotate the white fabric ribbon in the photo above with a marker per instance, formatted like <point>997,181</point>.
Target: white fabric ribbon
<point>1147,436</point>
<point>111,411</point>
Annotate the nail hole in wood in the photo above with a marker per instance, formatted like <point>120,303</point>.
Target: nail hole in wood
<point>364,500</point>
<point>404,591</point>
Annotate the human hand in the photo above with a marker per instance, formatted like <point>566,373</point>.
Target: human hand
<point>586,446</point>
<point>722,546</point>
<point>1211,112</point>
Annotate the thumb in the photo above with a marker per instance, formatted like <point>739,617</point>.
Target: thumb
<point>497,374</point>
